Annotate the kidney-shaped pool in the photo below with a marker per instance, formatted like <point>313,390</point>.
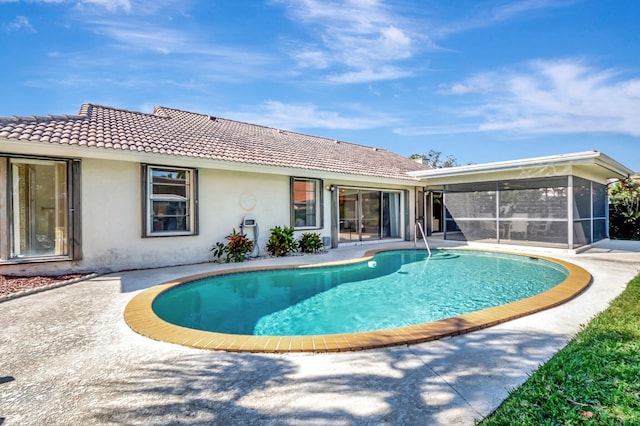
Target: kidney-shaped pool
<point>388,297</point>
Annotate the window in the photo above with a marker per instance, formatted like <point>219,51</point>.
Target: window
<point>39,219</point>
<point>169,197</point>
<point>307,203</point>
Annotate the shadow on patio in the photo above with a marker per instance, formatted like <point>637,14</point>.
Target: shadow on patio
<point>426,384</point>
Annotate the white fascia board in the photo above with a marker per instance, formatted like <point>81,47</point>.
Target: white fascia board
<point>579,158</point>
<point>614,166</point>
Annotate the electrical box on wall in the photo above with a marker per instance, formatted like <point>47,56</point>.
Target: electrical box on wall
<point>249,221</point>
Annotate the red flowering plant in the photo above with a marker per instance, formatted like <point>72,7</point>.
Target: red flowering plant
<point>236,250</point>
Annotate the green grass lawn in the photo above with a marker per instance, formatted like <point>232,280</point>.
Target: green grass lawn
<point>595,379</point>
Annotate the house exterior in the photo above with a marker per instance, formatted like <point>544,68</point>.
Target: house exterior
<point>110,189</point>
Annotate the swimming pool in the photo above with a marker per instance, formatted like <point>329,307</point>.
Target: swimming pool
<point>389,297</point>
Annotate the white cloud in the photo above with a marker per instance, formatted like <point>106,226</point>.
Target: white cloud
<point>486,17</point>
<point>393,43</point>
<point>479,83</point>
<point>308,116</point>
<point>110,5</point>
<point>370,75</point>
<point>436,130</point>
<point>312,58</point>
<point>362,40</point>
<point>135,33</point>
<point>140,7</point>
<point>142,36</point>
<point>547,97</point>
<point>35,1</point>
<point>20,23</point>
<point>186,48</point>
<point>361,35</point>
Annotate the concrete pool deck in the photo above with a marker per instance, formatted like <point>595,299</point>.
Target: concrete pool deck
<point>68,358</point>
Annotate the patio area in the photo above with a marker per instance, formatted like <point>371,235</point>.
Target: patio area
<point>69,358</point>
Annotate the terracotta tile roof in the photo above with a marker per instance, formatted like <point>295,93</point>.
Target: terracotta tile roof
<point>174,132</point>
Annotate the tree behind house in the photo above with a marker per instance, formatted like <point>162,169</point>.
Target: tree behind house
<point>434,159</point>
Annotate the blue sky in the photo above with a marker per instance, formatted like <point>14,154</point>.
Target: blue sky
<point>480,80</point>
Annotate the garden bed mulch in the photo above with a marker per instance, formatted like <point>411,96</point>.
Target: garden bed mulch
<point>11,286</point>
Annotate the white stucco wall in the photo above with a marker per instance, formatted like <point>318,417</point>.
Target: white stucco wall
<point>111,209</point>
<point>111,225</point>
<point>226,197</point>
<point>112,229</point>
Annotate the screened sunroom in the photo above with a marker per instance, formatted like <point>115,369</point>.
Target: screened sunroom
<point>558,201</point>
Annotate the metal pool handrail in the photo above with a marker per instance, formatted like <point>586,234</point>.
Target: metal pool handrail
<point>424,238</point>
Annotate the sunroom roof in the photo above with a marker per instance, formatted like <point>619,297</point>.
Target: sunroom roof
<point>602,163</point>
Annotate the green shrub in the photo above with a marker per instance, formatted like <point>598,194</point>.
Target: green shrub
<point>310,242</point>
<point>219,250</point>
<point>237,249</point>
<point>281,241</point>
<point>624,209</point>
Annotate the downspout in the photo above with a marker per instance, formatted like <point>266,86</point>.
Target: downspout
<point>444,214</point>
<point>498,212</point>
<point>333,194</point>
<point>570,202</point>
<point>591,219</point>
<point>407,216</point>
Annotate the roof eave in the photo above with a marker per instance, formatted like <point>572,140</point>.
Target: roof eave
<point>616,169</point>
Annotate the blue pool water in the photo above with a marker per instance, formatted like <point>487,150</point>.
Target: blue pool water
<point>397,288</point>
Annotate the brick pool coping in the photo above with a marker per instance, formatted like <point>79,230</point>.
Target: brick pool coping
<point>140,317</point>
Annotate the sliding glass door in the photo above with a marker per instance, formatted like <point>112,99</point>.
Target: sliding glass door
<point>40,220</point>
<point>367,215</point>
<point>370,226</point>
